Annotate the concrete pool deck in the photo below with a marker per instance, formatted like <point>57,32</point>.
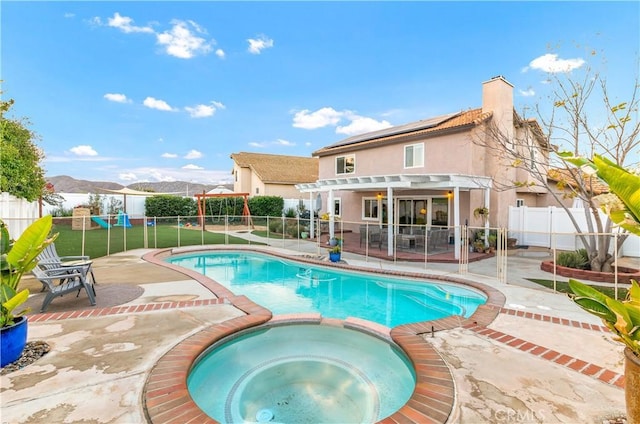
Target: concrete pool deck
<point>541,359</point>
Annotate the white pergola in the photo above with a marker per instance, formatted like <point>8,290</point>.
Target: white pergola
<point>401,182</point>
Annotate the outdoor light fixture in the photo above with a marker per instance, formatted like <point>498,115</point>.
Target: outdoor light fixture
<point>423,211</point>
<point>379,196</point>
<point>450,193</point>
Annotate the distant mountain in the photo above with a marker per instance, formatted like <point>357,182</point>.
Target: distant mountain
<point>66,184</point>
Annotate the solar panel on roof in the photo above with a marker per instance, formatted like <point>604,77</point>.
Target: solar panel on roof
<point>399,129</point>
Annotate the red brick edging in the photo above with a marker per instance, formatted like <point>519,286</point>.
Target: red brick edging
<point>625,275</point>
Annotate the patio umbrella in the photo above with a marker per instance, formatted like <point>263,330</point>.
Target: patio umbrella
<point>318,203</point>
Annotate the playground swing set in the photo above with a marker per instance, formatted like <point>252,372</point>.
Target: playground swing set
<point>83,219</point>
<point>201,200</point>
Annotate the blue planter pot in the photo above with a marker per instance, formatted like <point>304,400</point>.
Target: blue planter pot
<point>13,340</point>
<point>334,257</point>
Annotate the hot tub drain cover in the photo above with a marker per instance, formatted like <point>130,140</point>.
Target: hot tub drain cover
<point>264,416</point>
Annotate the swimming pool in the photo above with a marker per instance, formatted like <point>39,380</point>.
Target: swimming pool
<point>286,286</point>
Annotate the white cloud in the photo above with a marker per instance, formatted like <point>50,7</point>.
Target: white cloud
<point>550,63</point>
<point>181,41</point>
<point>83,150</point>
<point>328,116</point>
<point>278,142</point>
<point>318,119</point>
<point>125,24</point>
<point>95,21</point>
<point>193,154</point>
<point>308,144</point>
<point>169,155</point>
<point>192,166</point>
<point>361,125</point>
<point>152,103</point>
<point>528,92</point>
<point>282,142</point>
<point>116,97</point>
<point>69,15</point>
<point>175,174</point>
<point>256,45</point>
<point>220,53</point>
<point>203,111</point>
<point>127,176</point>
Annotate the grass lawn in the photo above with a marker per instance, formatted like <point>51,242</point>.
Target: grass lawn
<point>563,287</point>
<point>96,242</point>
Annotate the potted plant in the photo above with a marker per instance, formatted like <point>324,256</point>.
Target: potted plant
<point>622,318</point>
<point>335,241</point>
<point>18,258</point>
<point>335,253</point>
<point>481,212</point>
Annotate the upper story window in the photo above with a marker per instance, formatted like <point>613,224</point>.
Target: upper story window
<point>346,164</point>
<point>414,155</point>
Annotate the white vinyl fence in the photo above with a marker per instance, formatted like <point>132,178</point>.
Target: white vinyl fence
<point>551,226</point>
<point>18,214</point>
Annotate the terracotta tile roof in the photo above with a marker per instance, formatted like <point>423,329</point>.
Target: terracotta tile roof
<point>279,169</point>
<point>566,176</point>
<point>460,120</point>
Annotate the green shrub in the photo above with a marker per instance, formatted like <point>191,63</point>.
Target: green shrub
<point>266,205</point>
<point>167,205</point>
<point>576,260</point>
<point>292,228</point>
<point>61,211</point>
<point>290,213</point>
<point>275,226</point>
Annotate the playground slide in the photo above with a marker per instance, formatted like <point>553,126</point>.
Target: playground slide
<point>101,222</point>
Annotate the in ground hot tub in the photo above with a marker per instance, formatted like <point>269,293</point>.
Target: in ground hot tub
<point>301,373</point>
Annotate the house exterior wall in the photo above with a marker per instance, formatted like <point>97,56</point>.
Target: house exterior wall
<point>286,191</point>
<point>389,159</point>
<point>242,182</point>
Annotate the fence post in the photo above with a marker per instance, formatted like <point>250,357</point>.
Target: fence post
<point>144,232</point>
<point>615,265</point>
<point>553,249</point>
<point>501,255</point>
<point>109,235</point>
<point>463,262</point>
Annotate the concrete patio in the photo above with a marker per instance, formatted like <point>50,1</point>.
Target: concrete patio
<point>541,359</point>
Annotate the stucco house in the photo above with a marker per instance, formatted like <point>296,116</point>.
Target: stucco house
<point>436,171</point>
<point>272,175</point>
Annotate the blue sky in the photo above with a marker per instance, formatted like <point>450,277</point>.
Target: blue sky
<point>164,91</point>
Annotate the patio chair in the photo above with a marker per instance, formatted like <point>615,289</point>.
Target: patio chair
<point>49,259</point>
<point>438,238</point>
<point>71,280</point>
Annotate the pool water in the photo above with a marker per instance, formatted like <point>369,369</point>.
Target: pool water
<point>301,373</point>
<point>287,286</point>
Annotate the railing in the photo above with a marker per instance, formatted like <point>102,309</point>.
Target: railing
<point>478,251</point>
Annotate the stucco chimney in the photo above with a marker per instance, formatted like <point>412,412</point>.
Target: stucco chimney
<point>497,97</point>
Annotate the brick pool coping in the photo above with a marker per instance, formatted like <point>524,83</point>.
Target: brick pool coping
<point>166,398</point>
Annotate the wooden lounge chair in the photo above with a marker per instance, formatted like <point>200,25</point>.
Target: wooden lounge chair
<point>70,280</point>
